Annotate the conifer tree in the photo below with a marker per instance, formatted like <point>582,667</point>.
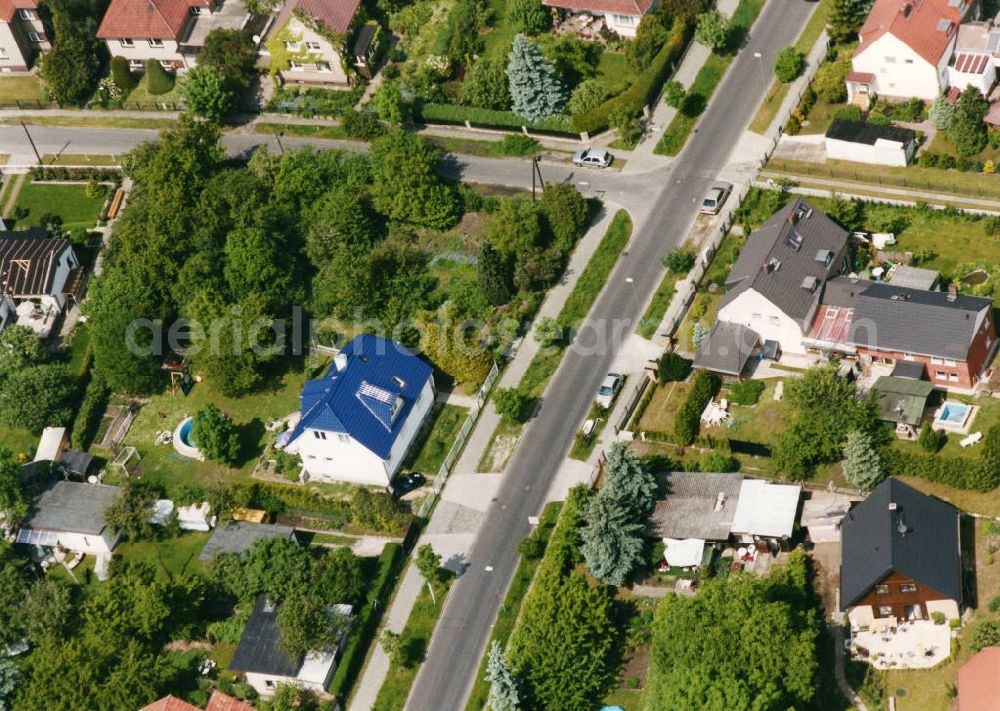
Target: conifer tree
<point>611,540</point>
<point>862,464</point>
<point>536,89</point>
<point>504,690</point>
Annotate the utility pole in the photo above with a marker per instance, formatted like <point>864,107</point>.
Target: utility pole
<point>536,172</point>
<point>33,147</point>
<point>278,136</point>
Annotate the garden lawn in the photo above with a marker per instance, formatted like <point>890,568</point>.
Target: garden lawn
<point>80,159</point>
<point>762,422</point>
<point>657,308</point>
<point>473,147</point>
<point>685,331</point>
<point>614,73</point>
<point>140,98</point>
<point>662,409</point>
<point>334,132</point>
<point>776,94</point>
<point>987,416</point>
<point>949,182</point>
<point>27,88</point>
<point>162,465</point>
<point>69,201</point>
<point>440,440</point>
<point>18,441</point>
<point>170,556</point>
<point>498,40</point>
<point>414,640</point>
<point>941,144</point>
<point>507,617</point>
<point>582,449</point>
<point>820,117</point>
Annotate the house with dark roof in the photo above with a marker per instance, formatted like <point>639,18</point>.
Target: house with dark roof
<point>260,657</point>
<point>318,41</point>
<point>37,274</point>
<point>22,35</point>
<point>359,419</point>
<point>171,32</point>
<point>863,142</point>
<point>71,516</point>
<point>900,557</point>
<point>620,16</point>
<point>906,46</point>
<point>951,336</point>
<point>774,288</point>
<point>237,537</point>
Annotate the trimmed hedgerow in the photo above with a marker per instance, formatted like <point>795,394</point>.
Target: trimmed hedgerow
<point>703,388</point>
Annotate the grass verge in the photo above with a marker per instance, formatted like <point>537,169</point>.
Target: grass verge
<point>413,643</point>
<point>80,159</point>
<point>583,448</point>
<point>657,308</point>
<point>96,120</point>
<point>511,607</point>
<point>776,94</point>
<point>333,132</point>
<point>486,149</point>
<point>700,92</point>
<point>440,440</point>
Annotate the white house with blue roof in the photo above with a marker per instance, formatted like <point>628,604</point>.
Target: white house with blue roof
<point>361,417</point>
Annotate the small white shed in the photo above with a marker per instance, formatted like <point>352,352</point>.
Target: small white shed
<point>868,143</point>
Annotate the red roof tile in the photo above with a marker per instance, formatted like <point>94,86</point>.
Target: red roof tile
<point>926,26</point>
<point>170,703</point>
<point>146,19</point>
<point>861,77</point>
<point>599,7</point>
<point>335,14</point>
<point>979,682</point>
<point>225,702</point>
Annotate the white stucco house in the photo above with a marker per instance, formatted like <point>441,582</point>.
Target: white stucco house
<point>906,47</point>
<point>774,288</point>
<point>359,419</point>
<point>620,16</point>
<point>266,665</point>
<point>22,35</point>
<point>36,273</point>
<point>70,515</point>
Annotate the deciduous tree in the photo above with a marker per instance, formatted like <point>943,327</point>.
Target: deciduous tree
<point>788,64</point>
<point>309,623</point>
<point>233,53</point>
<point>486,84</point>
<point>215,434</point>
<point>208,93</point>
<point>529,16</point>
<point>37,397</point>
<point>19,349</point>
<point>428,562</point>
<point>712,30</point>
<point>131,512</point>
<point>405,184</point>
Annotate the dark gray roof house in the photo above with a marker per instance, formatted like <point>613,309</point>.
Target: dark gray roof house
<point>68,509</point>
<point>696,505</point>
<point>237,537</point>
<point>789,259</point>
<point>259,649</point>
<point>727,349</point>
<point>901,400</point>
<point>899,529</point>
<point>930,323</point>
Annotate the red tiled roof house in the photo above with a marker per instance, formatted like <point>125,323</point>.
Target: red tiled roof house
<point>169,31</point>
<point>309,42</point>
<point>621,16</point>
<point>22,35</point>
<point>906,46</point>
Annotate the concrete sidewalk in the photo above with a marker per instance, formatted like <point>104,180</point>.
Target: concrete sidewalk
<point>456,518</point>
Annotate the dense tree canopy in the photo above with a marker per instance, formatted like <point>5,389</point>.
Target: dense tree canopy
<point>69,69</point>
<point>966,130</point>
<point>38,397</point>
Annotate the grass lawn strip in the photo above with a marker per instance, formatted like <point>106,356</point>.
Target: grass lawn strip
<point>576,308</point>
<point>68,201</point>
<point>776,94</point>
<point>657,308</point>
<point>511,607</point>
<point>80,159</point>
<point>704,85</point>
<point>414,640</point>
<point>96,119</point>
<point>27,89</point>
<point>583,448</point>
<point>333,131</point>
<point>440,440</point>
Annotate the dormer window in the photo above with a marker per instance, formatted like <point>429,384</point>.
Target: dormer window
<point>397,407</point>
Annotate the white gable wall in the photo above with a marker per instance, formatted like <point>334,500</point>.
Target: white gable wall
<point>94,544</point>
<point>756,312</point>
<point>900,71</point>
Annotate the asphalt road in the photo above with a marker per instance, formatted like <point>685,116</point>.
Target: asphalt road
<point>445,679</point>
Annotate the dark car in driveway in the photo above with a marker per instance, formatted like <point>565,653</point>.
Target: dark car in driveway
<point>406,483</point>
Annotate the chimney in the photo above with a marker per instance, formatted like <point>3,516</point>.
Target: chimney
<point>952,292</point>
<point>340,362</point>
<point>905,9</point>
<point>766,267</point>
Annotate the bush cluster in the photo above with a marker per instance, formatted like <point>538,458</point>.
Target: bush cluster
<point>946,161</point>
<point>88,417</point>
<point>644,89</point>
<point>673,367</point>
<point>703,388</point>
<point>959,472</point>
<point>747,392</point>
<point>58,172</point>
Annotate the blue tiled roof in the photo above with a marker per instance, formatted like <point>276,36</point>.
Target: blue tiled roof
<point>380,377</point>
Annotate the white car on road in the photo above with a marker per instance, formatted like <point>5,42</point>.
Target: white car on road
<point>715,198</point>
<point>609,390</point>
<point>593,158</point>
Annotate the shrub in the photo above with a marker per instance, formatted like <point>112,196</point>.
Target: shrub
<point>929,439</point>
<point>158,80</point>
<point>995,604</point>
<point>876,118</point>
<point>946,161</point>
<point>848,113</point>
<point>992,226</point>
<point>928,160</point>
<point>793,126</point>
<point>959,472</point>
<point>361,126</point>
<point>703,388</point>
<point>679,260</point>
<point>95,189</point>
<point>938,617</point>
<point>122,74</point>
<point>673,367</point>
<point>512,404</point>
<point>718,462</point>
<point>673,94</point>
<point>788,64</point>
<point>747,392</point>
<point>517,144</point>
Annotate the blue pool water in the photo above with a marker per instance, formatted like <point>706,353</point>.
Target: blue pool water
<point>954,412</point>
<point>186,437</point>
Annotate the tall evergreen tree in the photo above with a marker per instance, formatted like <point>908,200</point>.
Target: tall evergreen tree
<point>505,692</point>
<point>629,482</point>
<point>862,464</point>
<point>611,540</point>
<point>535,86</point>
<point>494,276</point>
<point>846,18</point>
<point>941,112</point>
<point>967,132</point>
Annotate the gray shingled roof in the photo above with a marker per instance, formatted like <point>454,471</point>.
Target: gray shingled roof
<point>727,348</point>
<point>259,649</point>
<point>815,233</point>
<point>238,537</point>
<point>72,507</point>
<point>867,133</point>
<point>928,323</point>
<point>901,399</point>
<point>914,277</point>
<point>688,508</point>
<point>919,540</point>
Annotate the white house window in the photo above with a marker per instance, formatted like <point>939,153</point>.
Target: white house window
<point>319,435</point>
<point>155,42</point>
<point>344,438</point>
<point>126,42</point>
<point>323,66</point>
<point>26,14</point>
<point>936,361</point>
<point>948,361</point>
<point>34,37</point>
<point>757,317</point>
<point>269,683</point>
<point>908,61</point>
<point>890,60</point>
<point>292,46</point>
<point>882,589</point>
<point>3,55</point>
<point>884,610</point>
<point>907,588</point>
<point>313,46</point>
<point>941,375</point>
<point>952,377</point>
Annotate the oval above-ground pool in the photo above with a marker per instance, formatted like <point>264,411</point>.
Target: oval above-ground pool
<point>184,444</point>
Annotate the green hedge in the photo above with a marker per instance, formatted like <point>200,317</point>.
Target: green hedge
<point>703,388</point>
<point>158,80</point>
<point>746,393</point>
<point>122,74</point>
<point>451,113</point>
<point>88,417</point>
<point>644,89</point>
<point>959,472</point>
<point>366,622</point>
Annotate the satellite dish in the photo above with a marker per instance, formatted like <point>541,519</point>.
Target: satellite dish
<point>256,39</point>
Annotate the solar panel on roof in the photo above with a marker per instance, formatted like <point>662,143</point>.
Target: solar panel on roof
<point>377,393</point>
<point>32,537</point>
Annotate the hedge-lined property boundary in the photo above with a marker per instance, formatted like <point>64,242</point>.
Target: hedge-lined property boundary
<point>959,472</point>
<point>703,388</point>
<point>490,118</point>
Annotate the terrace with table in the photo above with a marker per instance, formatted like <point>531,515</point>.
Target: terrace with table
<point>910,644</point>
